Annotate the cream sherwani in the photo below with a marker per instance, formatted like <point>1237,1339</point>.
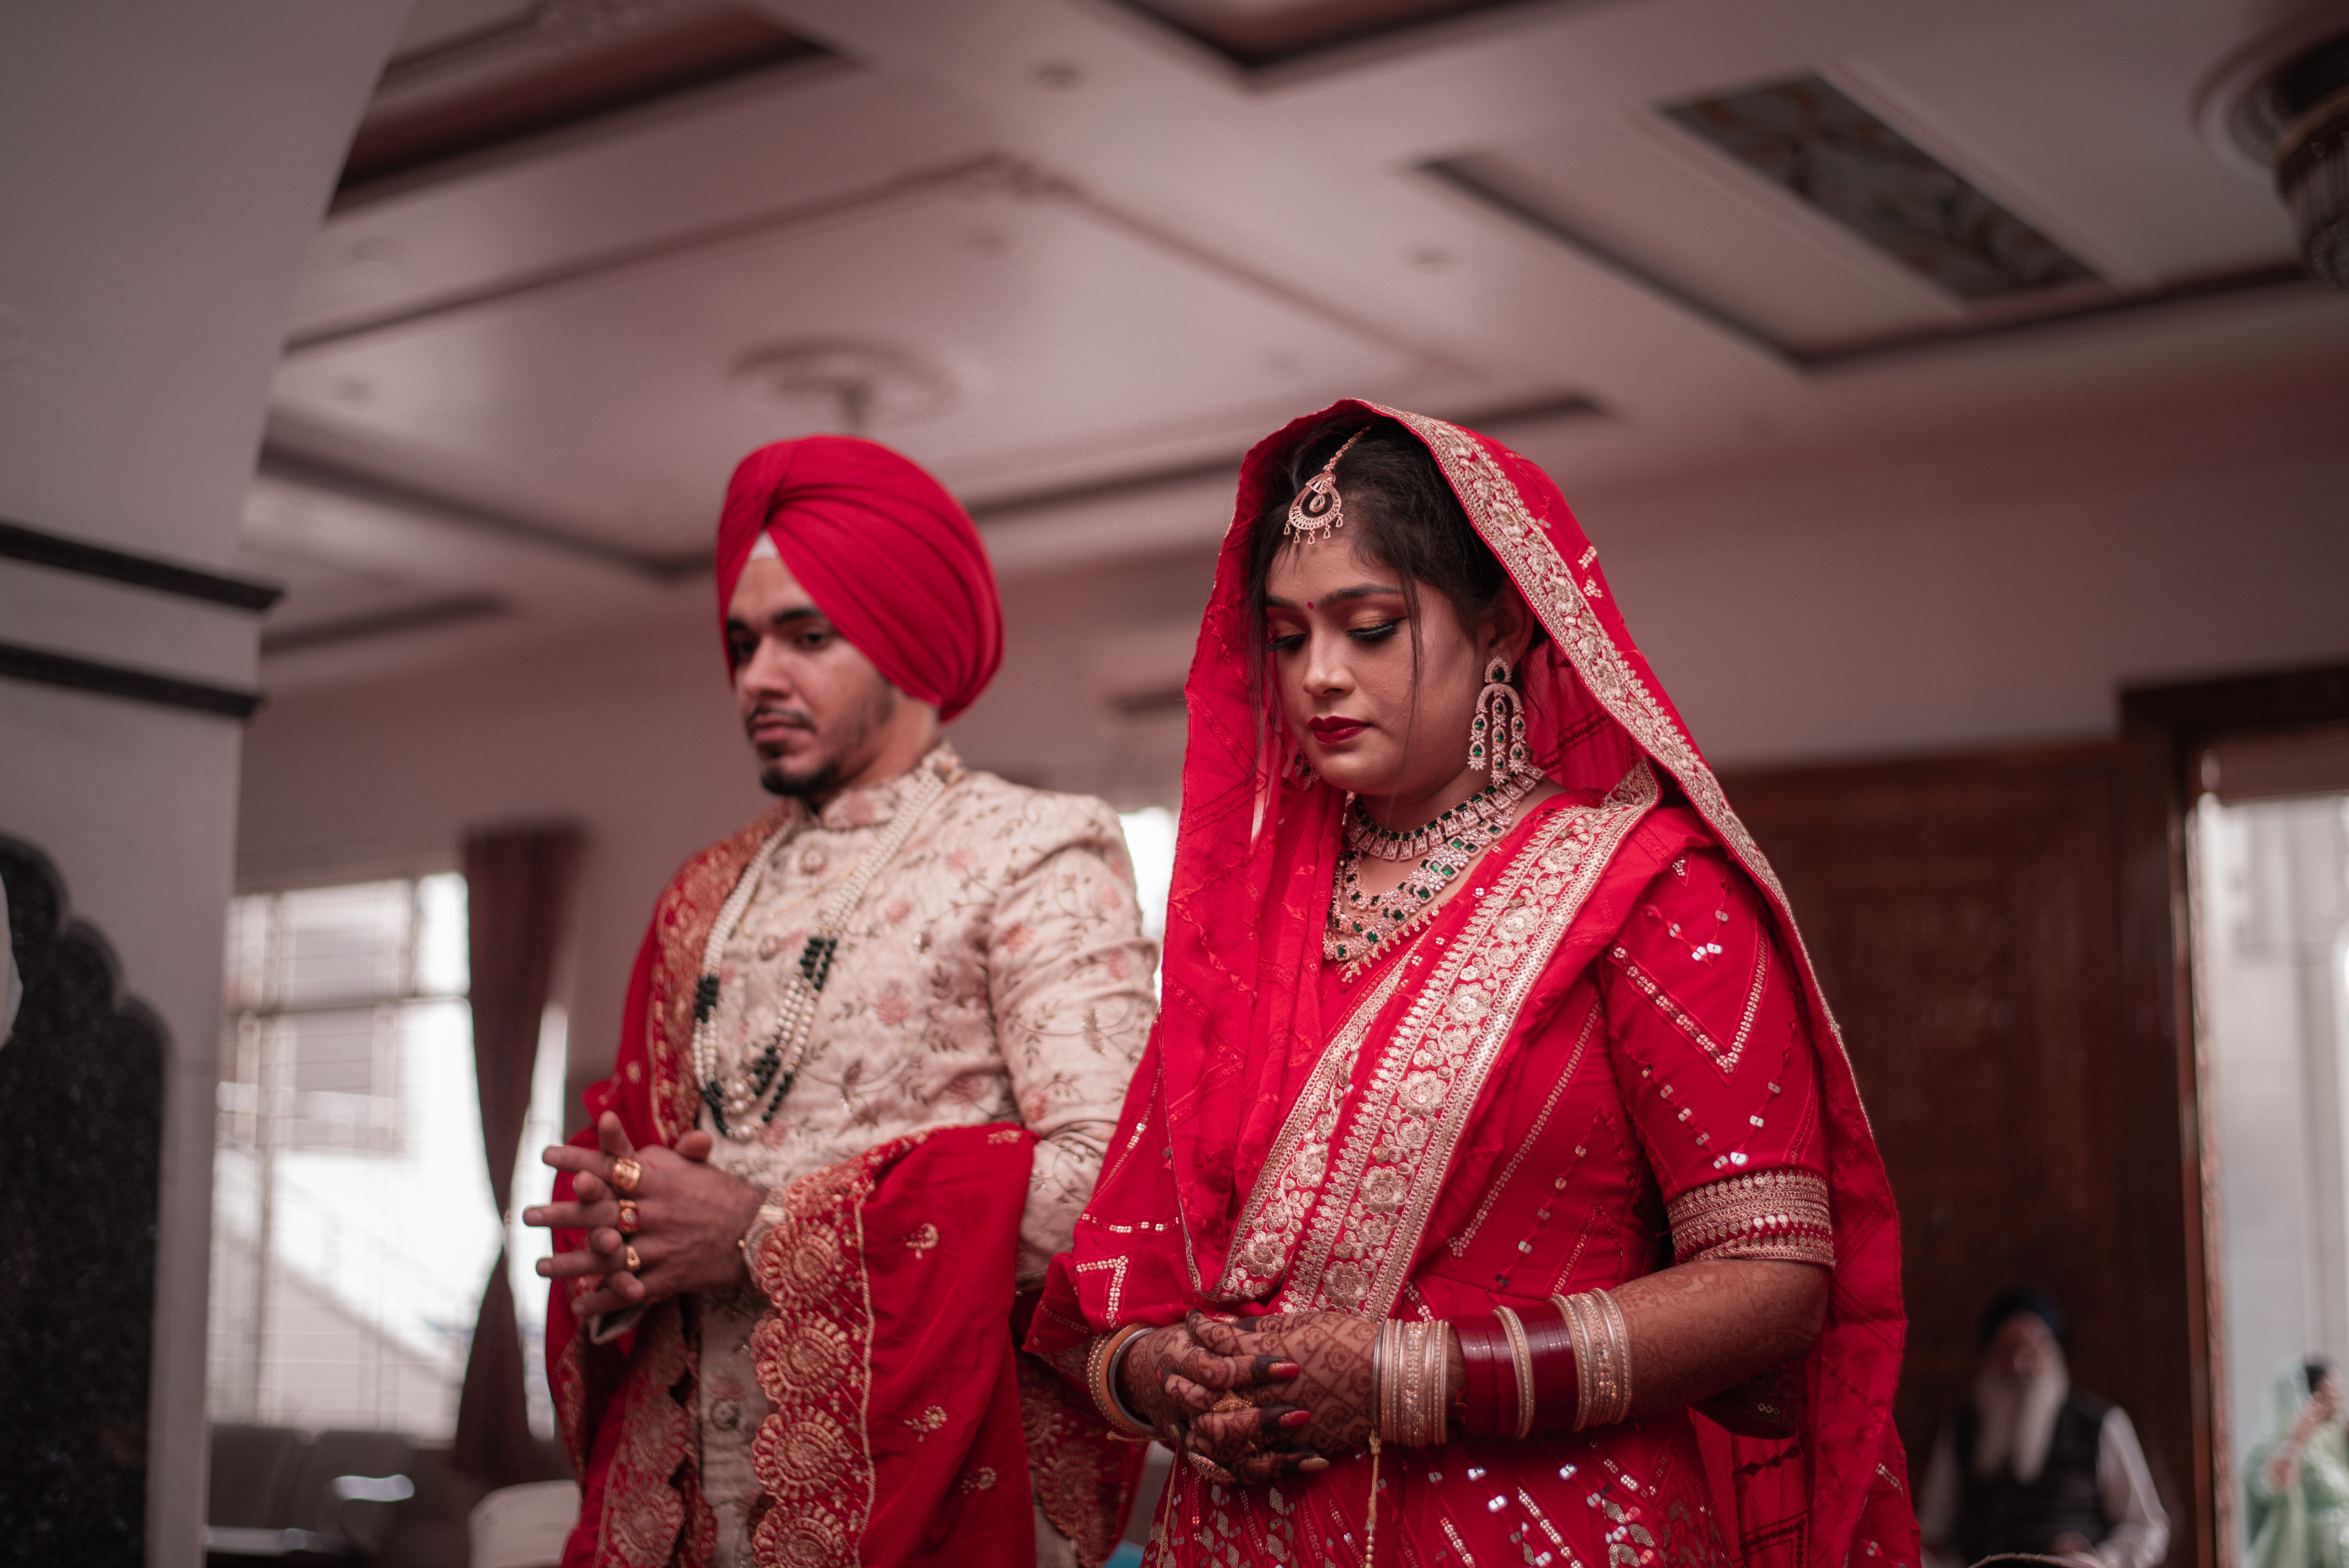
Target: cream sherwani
<point>995,970</point>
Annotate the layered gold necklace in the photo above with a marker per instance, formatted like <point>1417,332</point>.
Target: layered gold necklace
<point>1360,925</point>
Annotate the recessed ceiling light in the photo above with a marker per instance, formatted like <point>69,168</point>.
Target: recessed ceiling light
<point>853,388</point>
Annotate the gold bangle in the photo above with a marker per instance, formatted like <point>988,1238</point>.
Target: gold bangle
<point>1619,1337</point>
<point>1415,1391</point>
<point>1521,1355</point>
<point>1100,1365</point>
<point>1586,1358</point>
<point>1389,1359</point>
<point>1441,1409</point>
<point>1411,1381</point>
<point>1602,1358</point>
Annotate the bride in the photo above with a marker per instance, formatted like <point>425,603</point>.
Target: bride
<point>1495,1189</point>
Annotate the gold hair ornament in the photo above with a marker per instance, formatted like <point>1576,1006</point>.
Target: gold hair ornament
<point>1318,512</point>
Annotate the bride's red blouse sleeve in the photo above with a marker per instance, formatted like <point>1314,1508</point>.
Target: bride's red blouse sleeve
<point>1716,1066</point>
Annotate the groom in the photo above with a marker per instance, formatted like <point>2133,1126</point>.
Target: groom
<point>874,1048</point>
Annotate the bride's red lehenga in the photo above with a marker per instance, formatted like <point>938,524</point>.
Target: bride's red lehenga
<point>1608,1053</point>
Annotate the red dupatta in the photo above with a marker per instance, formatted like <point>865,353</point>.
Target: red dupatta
<point>904,1428</point>
<point>1241,1029</point>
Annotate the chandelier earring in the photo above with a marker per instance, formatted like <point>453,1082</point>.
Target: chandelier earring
<point>1497,737</point>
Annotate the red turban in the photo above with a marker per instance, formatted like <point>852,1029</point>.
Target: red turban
<point>884,551</point>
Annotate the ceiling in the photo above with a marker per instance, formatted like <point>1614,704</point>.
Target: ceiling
<point>1076,255</point>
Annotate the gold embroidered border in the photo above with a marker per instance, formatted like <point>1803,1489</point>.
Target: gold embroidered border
<point>813,1350</point>
<point>1080,1478</point>
<point>644,1509</point>
<point>1382,1171</point>
<point>1781,1215</point>
<point>1562,605</point>
<point>566,1381</point>
<point>1291,1176</point>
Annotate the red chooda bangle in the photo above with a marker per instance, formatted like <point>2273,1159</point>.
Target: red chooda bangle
<point>1502,1369</point>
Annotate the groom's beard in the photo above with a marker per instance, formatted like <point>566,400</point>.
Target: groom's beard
<point>2017,1419</point>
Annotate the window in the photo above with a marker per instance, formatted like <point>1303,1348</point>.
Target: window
<point>353,1223</point>
<point>1149,845</point>
<point>2268,841</point>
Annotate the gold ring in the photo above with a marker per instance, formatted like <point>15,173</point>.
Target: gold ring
<point>625,1174</point>
<point>1228,1402</point>
<point>628,1220</point>
<point>631,1261</point>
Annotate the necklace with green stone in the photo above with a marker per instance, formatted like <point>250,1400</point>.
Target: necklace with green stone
<point>1360,925</point>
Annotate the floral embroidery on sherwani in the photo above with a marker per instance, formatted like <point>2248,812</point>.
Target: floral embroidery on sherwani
<point>994,972</point>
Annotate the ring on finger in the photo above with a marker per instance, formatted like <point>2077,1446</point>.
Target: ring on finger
<point>628,1222</point>
<point>631,1261</point>
<point>624,1175</point>
<point>1228,1402</point>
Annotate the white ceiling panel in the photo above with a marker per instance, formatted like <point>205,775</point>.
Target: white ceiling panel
<point>1071,340</point>
<point>1637,190</point>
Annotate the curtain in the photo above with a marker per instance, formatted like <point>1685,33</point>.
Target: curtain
<point>517,884</point>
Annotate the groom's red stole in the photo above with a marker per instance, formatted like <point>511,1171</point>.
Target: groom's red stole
<point>898,1432</point>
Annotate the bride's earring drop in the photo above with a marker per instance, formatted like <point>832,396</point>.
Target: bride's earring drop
<point>1496,739</point>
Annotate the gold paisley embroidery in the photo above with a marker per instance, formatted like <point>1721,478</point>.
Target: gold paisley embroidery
<point>812,1454</point>
<point>644,1508</point>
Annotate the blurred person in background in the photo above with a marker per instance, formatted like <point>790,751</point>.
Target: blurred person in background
<point>2032,1464</point>
<point>2296,1475</point>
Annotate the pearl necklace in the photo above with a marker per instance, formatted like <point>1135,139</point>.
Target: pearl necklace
<point>743,1103</point>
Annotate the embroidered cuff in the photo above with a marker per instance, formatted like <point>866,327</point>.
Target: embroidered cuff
<point>1778,1215</point>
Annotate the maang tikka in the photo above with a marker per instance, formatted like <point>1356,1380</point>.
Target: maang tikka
<point>1496,739</point>
<point>1317,512</point>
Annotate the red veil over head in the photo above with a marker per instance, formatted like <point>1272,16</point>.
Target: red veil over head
<point>1253,869</point>
<point>883,549</point>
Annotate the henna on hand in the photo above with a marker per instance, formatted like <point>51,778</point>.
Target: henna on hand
<point>1169,1378</point>
<point>1331,1353</point>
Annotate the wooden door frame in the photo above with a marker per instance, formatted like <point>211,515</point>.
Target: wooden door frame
<point>2181,718</point>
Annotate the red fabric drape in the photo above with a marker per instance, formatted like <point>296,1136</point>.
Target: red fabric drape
<point>517,884</point>
<point>624,1408</point>
<point>1241,1026</point>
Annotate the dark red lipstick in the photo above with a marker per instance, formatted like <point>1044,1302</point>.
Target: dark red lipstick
<point>1335,728</point>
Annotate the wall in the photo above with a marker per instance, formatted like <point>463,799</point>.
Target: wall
<point>1914,600</point>
<point>163,169</point>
